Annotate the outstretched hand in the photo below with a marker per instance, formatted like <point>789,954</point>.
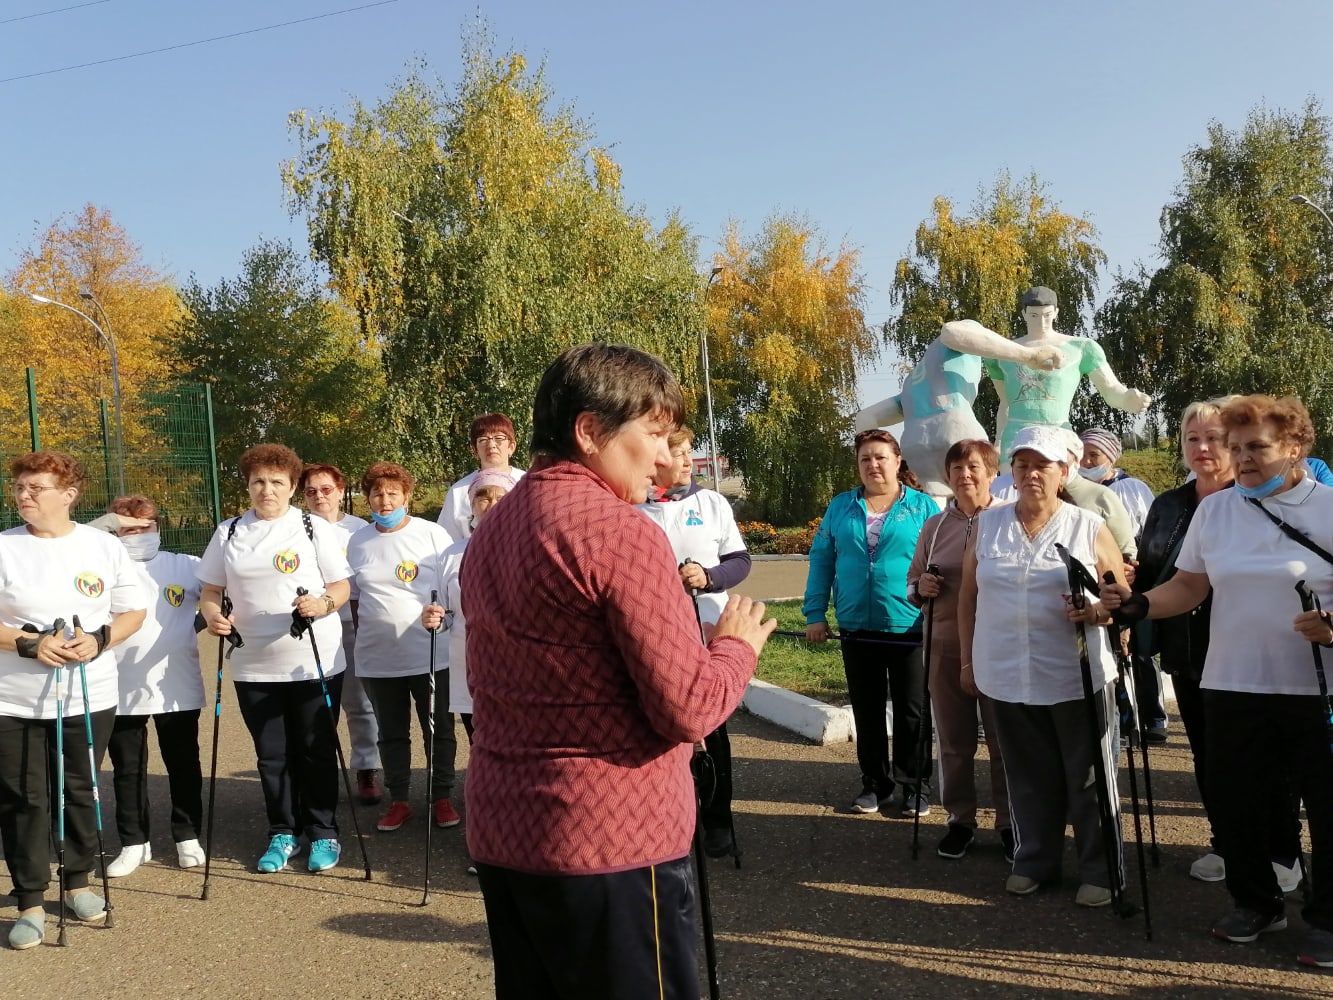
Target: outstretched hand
<point>743,618</point>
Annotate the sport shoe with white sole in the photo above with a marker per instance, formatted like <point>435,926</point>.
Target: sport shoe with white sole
<point>128,860</point>
<point>190,854</point>
<point>866,802</point>
<point>1021,885</point>
<point>1316,949</point>
<point>1288,879</point>
<point>1243,926</point>
<point>1093,895</point>
<point>915,803</point>
<point>281,847</point>
<point>1209,868</point>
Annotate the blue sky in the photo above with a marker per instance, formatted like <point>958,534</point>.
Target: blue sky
<point>854,114</point>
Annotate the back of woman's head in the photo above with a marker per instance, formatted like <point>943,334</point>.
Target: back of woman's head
<point>612,382</point>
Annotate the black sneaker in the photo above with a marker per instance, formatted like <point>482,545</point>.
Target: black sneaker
<point>1007,839</point>
<point>955,843</point>
<point>718,842</point>
<point>1243,926</point>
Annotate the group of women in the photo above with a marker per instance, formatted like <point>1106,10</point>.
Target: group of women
<point>583,679</point>
<point>1236,539</point>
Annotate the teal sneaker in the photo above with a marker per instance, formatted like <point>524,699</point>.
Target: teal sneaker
<point>280,848</point>
<point>324,854</point>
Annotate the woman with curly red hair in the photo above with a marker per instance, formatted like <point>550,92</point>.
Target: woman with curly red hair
<point>53,569</point>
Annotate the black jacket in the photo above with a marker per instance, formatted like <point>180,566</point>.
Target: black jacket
<point>1182,641</point>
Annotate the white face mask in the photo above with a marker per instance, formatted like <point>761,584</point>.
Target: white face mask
<point>1097,473</point>
<point>142,547</point>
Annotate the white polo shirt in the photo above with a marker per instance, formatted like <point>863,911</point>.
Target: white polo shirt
<point>395,572</point>
<point>701,527</point>
<point>1024,650</point>
<point>159,664</point>
<point>261,566</point>
<point>86,573</point>
<point>1253,569</point>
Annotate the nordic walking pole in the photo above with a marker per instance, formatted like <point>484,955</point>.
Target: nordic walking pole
<point>1127,671</point>
<point>235,640</point>
<point>430,757</point>
<point>1310,602</point>
<point>97,797</point>
<point>333,728</point>
<point>62,938</point>
<point>703,761</point>
<point>927,719</point>
<point>1078,581</point>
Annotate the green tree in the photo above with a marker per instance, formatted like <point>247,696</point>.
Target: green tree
<point>286,363</point>
<point>787,337</point>
<point>1243,301</point>
<point>978,266</point>
<point>477,233</point>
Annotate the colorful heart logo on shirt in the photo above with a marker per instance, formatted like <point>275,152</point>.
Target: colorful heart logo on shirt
<point>174,594</point>
<point>406,571</point>
<point>286,561</point>
<point>89,584</point>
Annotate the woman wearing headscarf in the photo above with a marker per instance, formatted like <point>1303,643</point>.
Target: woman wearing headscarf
<point>260,559</point>
<point>587,697</point>
<point>52,569</point>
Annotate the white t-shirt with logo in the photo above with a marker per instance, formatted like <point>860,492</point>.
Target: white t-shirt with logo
<point>159,664</point>
<point>460,694</point>
<point>395,572</point>
<point>261,566</point>
<point>456,510</point>
<point>86,573</point>
<point>703,528</point>
<point>349,525</point>
<point>1253,568</point>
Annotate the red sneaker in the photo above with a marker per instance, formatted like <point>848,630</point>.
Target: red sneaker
<point>368,787</point>
<point>395,816</point>
<point>445,814</point>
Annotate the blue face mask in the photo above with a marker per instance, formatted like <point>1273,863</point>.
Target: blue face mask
<point>1097,473</point>
<point>1264,489</point>
<point>390,520</point>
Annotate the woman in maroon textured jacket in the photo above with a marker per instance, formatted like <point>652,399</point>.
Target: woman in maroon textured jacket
<point>589,684</point>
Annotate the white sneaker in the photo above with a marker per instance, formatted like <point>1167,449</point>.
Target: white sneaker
<point>1209,868</point>
<point>189,854</point>
<point>129,859</point>
<point>1288,879</point>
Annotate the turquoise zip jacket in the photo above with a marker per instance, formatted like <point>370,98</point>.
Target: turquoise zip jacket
<point>868,593</point>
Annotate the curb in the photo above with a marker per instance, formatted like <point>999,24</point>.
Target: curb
<point>797,557</point>
<point>814,720</point>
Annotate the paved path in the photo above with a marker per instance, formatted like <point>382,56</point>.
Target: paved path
<point>828,905</point>
<point>775,578</point>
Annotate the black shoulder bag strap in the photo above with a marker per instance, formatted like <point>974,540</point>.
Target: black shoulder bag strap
<point>1292,533</point>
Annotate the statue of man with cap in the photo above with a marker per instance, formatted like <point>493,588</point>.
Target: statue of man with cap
<point>935,403</point>
<point>1034,397</point>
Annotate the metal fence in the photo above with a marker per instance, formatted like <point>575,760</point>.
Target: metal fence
<point>169,454</point>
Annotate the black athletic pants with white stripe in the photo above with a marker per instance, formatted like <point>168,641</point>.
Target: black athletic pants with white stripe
<point>593,937</point>
<point>178,743</point>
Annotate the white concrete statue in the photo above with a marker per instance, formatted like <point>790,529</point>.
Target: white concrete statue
<point>1029,397</point>
<point>935,404</point>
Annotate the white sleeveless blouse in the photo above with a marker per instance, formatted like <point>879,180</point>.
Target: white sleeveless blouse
<point>1024,649</point>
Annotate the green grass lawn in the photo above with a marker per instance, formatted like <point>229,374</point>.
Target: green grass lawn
<point>814,671</point>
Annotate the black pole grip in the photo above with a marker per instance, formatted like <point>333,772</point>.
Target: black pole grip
<point>1308,600</point>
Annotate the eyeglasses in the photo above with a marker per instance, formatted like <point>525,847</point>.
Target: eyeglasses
<point>499,440</point>
<point>23,489</point>
<point>319,491</point>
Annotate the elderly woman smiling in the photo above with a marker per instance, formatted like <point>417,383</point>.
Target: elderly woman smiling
<point>1250,545</point>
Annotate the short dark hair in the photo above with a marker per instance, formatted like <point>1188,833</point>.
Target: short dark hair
<point>277,457</point>
<point>961,451</point>
<point>491,423</point>
<point>614,383</point>
<point>322,469</point>
<point>876,434</point>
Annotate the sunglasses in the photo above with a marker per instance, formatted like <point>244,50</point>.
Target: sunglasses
<point>319,491</point>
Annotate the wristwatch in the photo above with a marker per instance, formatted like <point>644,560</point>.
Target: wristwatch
<point>330,605</point>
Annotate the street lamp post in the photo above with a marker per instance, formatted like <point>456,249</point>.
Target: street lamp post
<point>1301,199</point>
<point>708,388</point>
<point>115,373</point>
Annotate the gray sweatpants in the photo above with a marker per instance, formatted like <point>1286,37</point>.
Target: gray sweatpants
<point>1048,763</point>
<point>362,729</point>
